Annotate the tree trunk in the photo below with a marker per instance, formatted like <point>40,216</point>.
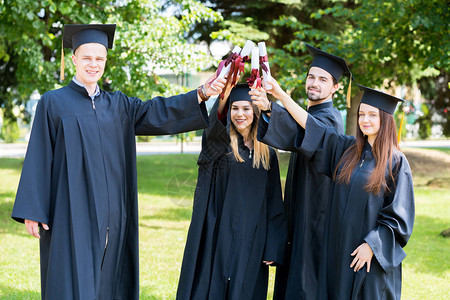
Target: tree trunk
<point>352,118</point>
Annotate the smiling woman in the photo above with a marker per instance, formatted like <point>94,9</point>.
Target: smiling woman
<point>371,212</point>
<point>238,225</point>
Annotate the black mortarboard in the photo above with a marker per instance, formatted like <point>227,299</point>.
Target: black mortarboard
<point>76,35</point>
<point>379,99</point>
<point>240,93</point>
<point>333,64</point>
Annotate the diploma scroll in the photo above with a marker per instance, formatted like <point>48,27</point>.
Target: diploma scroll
<point>241,59</point>
<point>254,76</point>
<point>225,65</point>
<point>264,62</point>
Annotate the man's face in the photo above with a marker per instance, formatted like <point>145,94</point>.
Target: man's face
<point>89,60</point>
<point>319,84</point>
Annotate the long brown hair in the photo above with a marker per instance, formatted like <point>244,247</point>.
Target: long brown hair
<point>385,147</point>
<point>261,154</point>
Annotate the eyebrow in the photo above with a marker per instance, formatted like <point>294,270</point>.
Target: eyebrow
<point>245,105</point>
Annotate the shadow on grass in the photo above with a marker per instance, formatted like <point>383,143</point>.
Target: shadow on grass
<point>426,249</point>
<point>11,163</point>
<point>170,214</point>
<point>13,294</point>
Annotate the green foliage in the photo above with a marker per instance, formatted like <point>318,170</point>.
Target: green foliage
<point>10,131</point>
<point>424,122</point>
<point>148,37</point>
<point>386,43</point>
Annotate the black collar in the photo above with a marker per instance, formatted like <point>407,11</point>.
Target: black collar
<point>80,89</point>
<point>320,106</point>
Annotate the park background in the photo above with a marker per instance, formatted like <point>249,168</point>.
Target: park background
<point>165,47</point>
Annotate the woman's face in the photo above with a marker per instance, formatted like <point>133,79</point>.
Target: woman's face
<point>369,120</point>
<point>242,116</point>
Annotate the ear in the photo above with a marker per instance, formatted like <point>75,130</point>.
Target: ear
<point>335,88</point>
<point>74,59</point>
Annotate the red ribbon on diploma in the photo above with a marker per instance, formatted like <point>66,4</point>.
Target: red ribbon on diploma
<point>262,60</point>
<point>254,76</point>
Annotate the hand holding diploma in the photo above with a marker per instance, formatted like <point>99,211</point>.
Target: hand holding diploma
<point>225,65</point>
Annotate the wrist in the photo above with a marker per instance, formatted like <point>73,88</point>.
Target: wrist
<point>202,93</point>
<point>268,109</point>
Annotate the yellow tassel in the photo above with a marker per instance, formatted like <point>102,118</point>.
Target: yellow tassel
<point>61,72</point>
<point>400,129</point>
<point>349,93</point>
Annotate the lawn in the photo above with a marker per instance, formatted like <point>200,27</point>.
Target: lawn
<point>166,185</point>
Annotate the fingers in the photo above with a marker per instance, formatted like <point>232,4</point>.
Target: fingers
<point>216,87</point>
<point>368,266</point>
<point>268,263</point>
<point>45,226</point>
<point>32,228</point>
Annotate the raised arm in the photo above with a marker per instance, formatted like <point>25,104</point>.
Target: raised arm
<point>298,113</point>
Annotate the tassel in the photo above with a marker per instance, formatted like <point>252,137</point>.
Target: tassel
<point>61,72</point>
<point>349,93</point>
<point>400,129</point>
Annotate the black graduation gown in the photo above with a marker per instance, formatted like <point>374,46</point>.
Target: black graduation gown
<point>384,221</point>
<point>305,198</point>
<point>238,221</point>
<point>79,177</point>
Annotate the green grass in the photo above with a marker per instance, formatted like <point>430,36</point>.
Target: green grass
<point>166,185</point>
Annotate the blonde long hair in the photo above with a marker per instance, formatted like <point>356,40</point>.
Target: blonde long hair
<point>261,154</point>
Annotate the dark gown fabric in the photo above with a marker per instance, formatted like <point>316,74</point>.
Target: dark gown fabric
<point>305,198</point>
<point>79,177</point>
<point>238,221</point>
<point>385,221</point>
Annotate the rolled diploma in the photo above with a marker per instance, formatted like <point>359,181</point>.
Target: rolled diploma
<point>226,69</point>
<point>255,58</point>
<point>262,53</point>
<point>249,45</point>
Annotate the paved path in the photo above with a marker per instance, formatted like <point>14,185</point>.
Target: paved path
<point>19,150</point>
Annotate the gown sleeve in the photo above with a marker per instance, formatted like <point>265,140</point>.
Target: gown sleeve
<point>215,139</point>
<point>321,144</point>
<point>160,116</point>
<point>395,219</point>
<point>34,192</point>
<point>277,223</point>
<point>280,131</point>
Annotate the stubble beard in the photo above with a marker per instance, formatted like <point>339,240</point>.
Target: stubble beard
<point>314,97</point>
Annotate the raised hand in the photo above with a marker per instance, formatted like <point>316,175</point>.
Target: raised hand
<point>259,97</point>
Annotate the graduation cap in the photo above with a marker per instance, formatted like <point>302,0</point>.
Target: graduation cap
<point>76,35</point>
<point>240,93</point>
<point>333,64</point>
<point>380,100</point>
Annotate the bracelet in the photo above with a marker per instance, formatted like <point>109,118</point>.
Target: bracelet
<point>202,93</point>
<point>269,109</point>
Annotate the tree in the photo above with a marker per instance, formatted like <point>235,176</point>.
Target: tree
<point>386,43</point>
<point>149,37</point>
